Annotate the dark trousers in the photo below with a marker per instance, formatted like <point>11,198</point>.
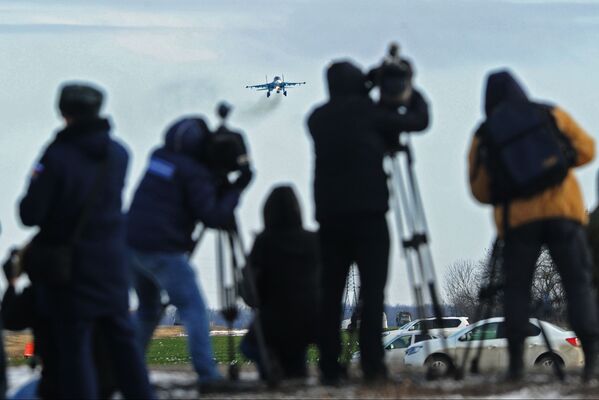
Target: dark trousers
<point>77,364</point>
<point>567,245</point>
<point>364,240</point>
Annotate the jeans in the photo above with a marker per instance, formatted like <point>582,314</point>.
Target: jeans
<point>172,272</point>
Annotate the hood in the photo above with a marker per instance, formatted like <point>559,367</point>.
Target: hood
<point>186,135</point>
<point>282,210</point>
<point>92,136</point>
<point>345,79</point>
<point>502,87</point>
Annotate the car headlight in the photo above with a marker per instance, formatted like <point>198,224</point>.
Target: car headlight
<point>413,350</point>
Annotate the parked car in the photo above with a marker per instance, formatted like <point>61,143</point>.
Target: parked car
<point>397,342</point>
<point>446,327</point>
<point>436,354</point>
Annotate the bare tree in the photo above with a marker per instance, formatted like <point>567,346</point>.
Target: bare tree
<point>547,293</point>
<point>461,285</point>
<point>464,280</point>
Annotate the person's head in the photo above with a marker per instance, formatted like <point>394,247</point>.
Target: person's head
<point>78,101</point>
<point>501,87</point>
<point>345,79</point>
<point>282,210</point>
<point>186,135</point>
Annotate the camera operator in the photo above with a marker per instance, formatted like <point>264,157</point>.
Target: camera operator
<point>351,136</point>
<point>77,260</point>
<point>181,188</point>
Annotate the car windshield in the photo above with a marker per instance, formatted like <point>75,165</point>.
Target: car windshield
<point>460,332</point>
<point>404,326</point>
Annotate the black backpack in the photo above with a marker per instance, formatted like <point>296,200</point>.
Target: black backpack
<point>523,151</point>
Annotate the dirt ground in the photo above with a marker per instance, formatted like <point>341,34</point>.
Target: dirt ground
<point>14,342</point>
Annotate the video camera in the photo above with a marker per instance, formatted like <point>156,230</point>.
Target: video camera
<point>393,77</point>
<point>225,151</point>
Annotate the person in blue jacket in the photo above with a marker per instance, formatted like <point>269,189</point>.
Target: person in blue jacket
<point>95,299</point>
<point>177,192</point>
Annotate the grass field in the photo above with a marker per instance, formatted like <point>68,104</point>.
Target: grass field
<point>173,350</point>
<point>164,350</point>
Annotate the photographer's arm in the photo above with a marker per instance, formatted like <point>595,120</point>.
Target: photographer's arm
<point>214,207</point>
<point>415,118</point>
<point>35,205</point>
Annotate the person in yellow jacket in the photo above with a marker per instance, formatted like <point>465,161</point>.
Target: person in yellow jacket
<point>554,218</point>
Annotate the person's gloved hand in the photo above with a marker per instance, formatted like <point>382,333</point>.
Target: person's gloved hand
<point>244,178</point>
<point>9,267</point>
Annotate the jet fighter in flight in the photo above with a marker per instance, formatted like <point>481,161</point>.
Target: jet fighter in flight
<point>277,85</point>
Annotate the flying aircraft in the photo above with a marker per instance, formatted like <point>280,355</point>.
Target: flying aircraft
<point>276,85</point>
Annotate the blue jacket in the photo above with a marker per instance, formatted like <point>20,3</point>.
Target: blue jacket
<point>177,192</point>
<point>58,191</point>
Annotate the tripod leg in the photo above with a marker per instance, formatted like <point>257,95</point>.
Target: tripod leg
<point>486,302</point>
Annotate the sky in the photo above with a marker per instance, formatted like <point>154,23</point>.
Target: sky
<point>160,60</point>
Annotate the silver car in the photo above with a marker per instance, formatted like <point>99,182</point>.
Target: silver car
<point>490,333</point>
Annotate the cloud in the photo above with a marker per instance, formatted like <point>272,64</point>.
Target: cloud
<point>168,47</point>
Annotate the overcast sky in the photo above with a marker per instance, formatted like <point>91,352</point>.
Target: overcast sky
<point>159,60</point>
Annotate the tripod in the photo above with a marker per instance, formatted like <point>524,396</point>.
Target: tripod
<point>413,233</point>
<point>352,295</point>
<point>233,278</point>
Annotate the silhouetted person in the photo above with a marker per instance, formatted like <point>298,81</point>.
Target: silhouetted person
<point>351,135</point>
<point>593,235</point>
<point>84,167</point>
<point>177,191</point>
<point>285,260</point>
<point>553,218</point>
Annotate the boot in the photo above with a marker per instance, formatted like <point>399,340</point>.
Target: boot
<point>516,368</point>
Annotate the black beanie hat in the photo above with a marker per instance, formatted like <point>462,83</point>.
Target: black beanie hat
<point>80,100</point>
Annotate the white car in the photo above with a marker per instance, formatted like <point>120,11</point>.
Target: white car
<point>491,332</point>
<point>447,326</point>
<point>396,343</point>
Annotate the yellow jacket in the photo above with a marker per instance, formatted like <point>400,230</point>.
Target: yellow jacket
<point>562,201</point>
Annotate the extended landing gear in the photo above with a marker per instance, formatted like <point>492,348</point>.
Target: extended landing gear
<point>285,93</point>
<point>267,94</point>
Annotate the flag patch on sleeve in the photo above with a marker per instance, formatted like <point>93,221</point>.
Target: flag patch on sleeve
<point>161,168</point>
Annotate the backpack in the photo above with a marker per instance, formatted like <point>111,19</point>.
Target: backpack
<point>523,151</point>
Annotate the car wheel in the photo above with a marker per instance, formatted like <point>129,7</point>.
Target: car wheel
<point>437,366</point>
<point>546,361</point>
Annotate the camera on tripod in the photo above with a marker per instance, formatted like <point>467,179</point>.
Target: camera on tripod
<point>393,77</point>
<point>225,150</point>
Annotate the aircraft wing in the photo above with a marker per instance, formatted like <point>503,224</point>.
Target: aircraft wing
<point>291,84</point>
<point>263,86</point>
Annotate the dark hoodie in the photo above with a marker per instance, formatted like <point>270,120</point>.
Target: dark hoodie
<point>58,191</point>
<point>351,136</point>
<point>285,258</point>
<point>502,87</point>
<point>177,192</point>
